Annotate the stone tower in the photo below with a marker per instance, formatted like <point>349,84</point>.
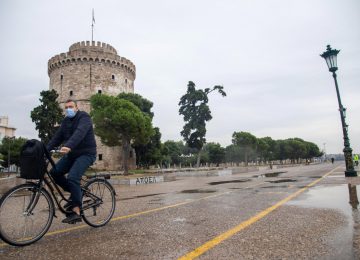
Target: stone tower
<point>86,69</point>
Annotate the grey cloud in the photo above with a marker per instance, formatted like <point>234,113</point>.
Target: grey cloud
<point>265,53</point>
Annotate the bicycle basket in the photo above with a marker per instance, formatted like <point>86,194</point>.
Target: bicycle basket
<point>32,160</point>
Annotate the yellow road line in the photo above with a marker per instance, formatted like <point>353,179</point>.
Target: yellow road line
<point>60,231</point>
<point>217,240</point>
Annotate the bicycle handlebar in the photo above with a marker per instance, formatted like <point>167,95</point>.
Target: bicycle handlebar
<point>55,151</point>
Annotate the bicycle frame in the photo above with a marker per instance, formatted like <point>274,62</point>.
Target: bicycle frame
<point>33,201</point>
<point>49,181</point>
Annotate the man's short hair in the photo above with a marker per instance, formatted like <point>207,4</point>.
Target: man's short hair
<point>71,100</point>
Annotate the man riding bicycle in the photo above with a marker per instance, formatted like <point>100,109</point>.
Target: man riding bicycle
<point>76,135</point>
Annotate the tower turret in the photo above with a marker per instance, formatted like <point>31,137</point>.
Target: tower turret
<point>89,68</point>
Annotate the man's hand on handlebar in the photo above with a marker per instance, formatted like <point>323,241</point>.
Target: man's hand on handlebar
<point>65,150</point>
<point>62,150</point>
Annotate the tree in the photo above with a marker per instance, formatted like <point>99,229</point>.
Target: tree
<point>149,153</point>
<point>262,148</point>
<point>266,148</point>
<point>12,145</point>
<point>47,115</point>
<point>142,103</point>
<point>234,154</point>
<point>296,149</point>
<point>120,122</point>
<point>245,140</point>
<point>312,150</point>
<point>172,151</point>
<point>216,153</point>
<point>196,112</point>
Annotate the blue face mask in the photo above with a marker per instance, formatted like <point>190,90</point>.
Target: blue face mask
<point>70,112</point>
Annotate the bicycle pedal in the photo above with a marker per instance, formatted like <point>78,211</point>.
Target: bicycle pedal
<point>75,221</point>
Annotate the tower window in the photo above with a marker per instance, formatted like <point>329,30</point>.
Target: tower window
<point>125,80</point>
<point>99,91</point>
<point>71,93</point>
<point>61,76</point>
<point>112,76</point>
<point>100,157</point>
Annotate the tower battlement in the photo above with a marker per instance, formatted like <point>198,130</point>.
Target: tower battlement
<point>97,46</point>
<point>91,52</point>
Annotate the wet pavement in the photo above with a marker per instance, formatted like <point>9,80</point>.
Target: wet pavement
<point>290,214</point>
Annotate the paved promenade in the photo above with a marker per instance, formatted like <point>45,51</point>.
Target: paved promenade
<point>305,212</point>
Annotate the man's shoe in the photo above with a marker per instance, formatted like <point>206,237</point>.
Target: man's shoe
<point>72,219</point>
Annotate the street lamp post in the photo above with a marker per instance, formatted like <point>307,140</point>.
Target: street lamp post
<point>330,56</point>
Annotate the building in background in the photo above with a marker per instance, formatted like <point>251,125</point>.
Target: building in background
<point>5,129</point>
<point>86,69</point>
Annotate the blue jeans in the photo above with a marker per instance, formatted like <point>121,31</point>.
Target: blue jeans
<point>76,168</point>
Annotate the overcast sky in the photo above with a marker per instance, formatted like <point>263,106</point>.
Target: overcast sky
<point>264,52</point>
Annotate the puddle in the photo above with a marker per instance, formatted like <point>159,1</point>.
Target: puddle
<point>224,182</point>
<point>344,198</point>
<point>283,180</point>
<point>198,191</point>
<point>334,197</point>
<point>269,175</point>
<point>142,196</point>
<point>274,187</point>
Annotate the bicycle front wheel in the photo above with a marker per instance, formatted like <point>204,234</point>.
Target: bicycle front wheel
<point>98,202</point>
<point>26,213</point>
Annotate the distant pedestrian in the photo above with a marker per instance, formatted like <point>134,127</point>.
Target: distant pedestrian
<point>332,160</point>
<point>356,159</point>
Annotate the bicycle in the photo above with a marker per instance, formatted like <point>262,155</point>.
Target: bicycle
<point>27,210</point>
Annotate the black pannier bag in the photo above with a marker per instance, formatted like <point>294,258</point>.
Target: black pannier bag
<point>32,160</point>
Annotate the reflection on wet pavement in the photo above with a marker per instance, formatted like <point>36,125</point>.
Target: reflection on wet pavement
<point>141,196</point>
<point>354,201</point>
<point>345,199</point>
<point>269,175</point>
<point>224,182</point>
<point>198,191</point>
<point>274,187</point>
<point>283,180</point>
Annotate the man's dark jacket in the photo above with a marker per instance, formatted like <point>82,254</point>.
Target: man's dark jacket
<point>77,133</point>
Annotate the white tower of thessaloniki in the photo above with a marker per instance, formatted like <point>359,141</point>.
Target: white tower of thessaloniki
<point>86,69</point>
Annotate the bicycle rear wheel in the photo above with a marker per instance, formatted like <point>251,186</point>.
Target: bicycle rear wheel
<point>98,202</point>
<point>26,213</point>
